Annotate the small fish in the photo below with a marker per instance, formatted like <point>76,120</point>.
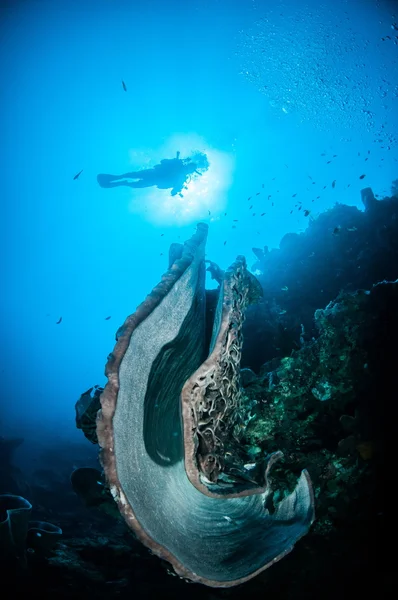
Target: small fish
<point>367,158</point>
<point>233,226</point>
<point>349,185</point>
<point>254,214</point>
<point>162,234</point>
<point>262,214</point>
<point>323,154</point>
<point>334,155</point>
<point>249,198</point>
<point>328,162</point>
<point>317,198</point>
<point>362,176</point>
<point>248,467</point>
<point>258,193</point>
<point>368,151</point>
<point>300,207</point>
<point>273,179</point>
<point>272,204</point>
<point>306,213</point>
<point>336,230</point>
<point>124,86</point>
<point>262,185</point>
<point>294,195</point>
<point>209,212</point>
<point>225,242</point>
<point>309,177</point>
<point>352,228</point>
<point>78,174</point>
<point>59,321</point>
<point>324,187</point>
<point>107,318</point>
<point>282,312</point>
<point>291,211</point>
<point>269,196</point>
<point>161,254</point>
<point>250,207</point>
<point>334,183</point>
<point>284,288</point>
<point>235,221</point>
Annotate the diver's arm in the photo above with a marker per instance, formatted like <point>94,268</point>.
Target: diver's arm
<point>177,188</point>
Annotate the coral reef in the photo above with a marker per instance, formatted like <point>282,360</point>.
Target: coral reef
<point>343,249</point>
<point>318,405</point>
<point>318,366</point>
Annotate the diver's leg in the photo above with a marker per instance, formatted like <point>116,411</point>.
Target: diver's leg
<point>138,174</point>
<point>108,181</point>
<point>138,184</point>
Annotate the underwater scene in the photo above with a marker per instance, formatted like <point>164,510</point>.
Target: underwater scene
<point>200,297</point>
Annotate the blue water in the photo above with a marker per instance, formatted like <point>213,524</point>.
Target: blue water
<point>263,93</point>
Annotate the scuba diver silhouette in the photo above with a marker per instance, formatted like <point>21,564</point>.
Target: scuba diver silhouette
<point>169,173</point>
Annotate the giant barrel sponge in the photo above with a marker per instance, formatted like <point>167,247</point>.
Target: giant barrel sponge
<point>168,413</point>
